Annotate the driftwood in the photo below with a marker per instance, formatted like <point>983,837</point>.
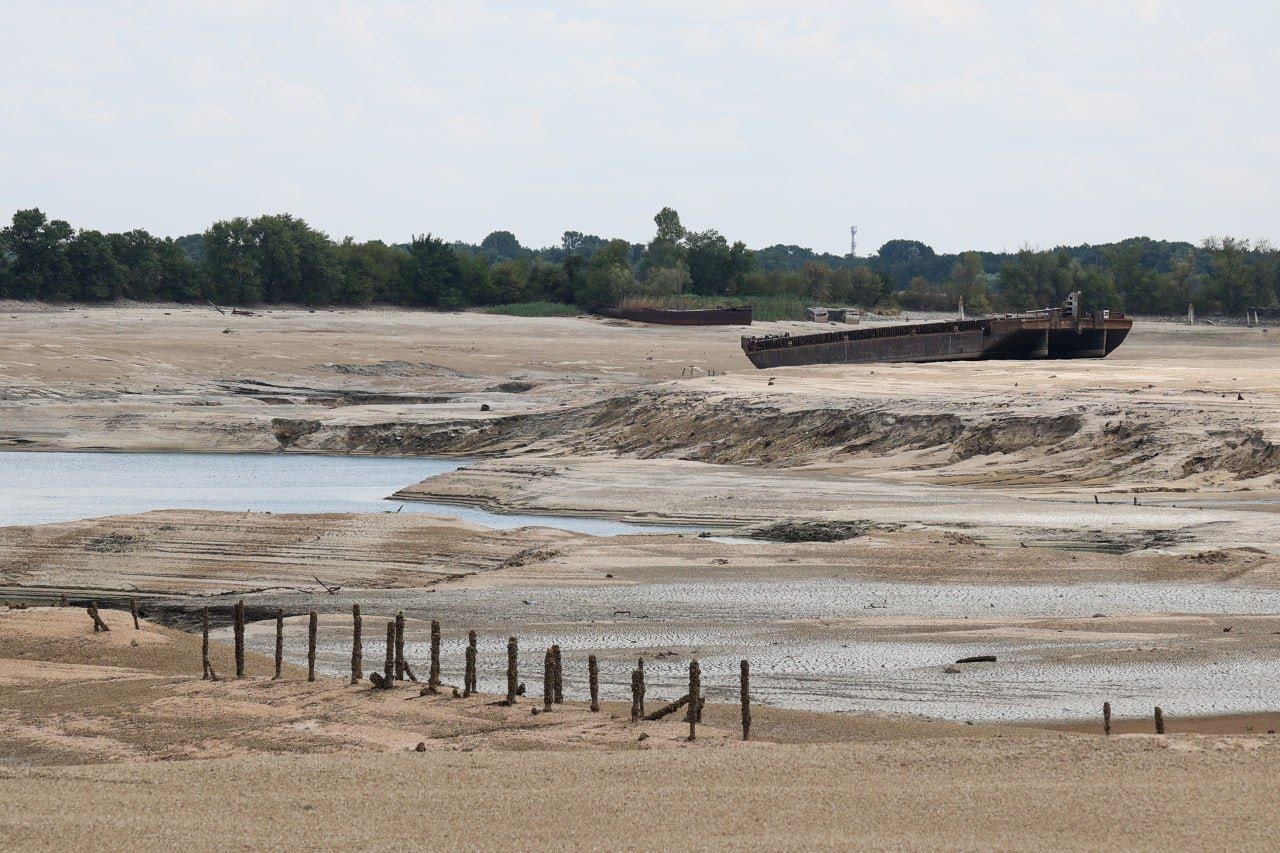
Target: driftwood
<point>357,646</point>
<point>978,659</point>
<point>332,590</point>
<point>408,670</point>
<point>133,611</point>
<point>98,624</point>
<point>216,308</point>
<point>378,681</point>
<point>240,312</point>
<point>667,709</point>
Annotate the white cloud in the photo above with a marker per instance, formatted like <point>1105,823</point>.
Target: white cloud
<point>952,16</point>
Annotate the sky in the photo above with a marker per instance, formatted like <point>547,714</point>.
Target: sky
<point>968,124</point>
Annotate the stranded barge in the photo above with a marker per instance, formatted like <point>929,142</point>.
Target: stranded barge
<point>725,316</point>
<point>1065,332</point>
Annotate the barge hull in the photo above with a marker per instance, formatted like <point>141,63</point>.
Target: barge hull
<point>1046,335</point>
<point>697,317</point>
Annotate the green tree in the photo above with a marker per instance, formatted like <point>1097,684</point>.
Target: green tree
<point>36,252</point>
<point>431,273</point>
<point>231,262</point>
<point>1232,286</point>
<point>501,246</point>
<point>94,274</point>
<point>608,277</point>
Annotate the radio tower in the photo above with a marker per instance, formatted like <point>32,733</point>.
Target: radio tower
<point>853,241</point>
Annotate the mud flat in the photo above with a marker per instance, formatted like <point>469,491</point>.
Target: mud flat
<point>144,755</point>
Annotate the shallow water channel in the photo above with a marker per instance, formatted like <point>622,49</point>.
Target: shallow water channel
<point>39,488</point>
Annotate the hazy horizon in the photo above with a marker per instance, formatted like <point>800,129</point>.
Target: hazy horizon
<point>964,124</point>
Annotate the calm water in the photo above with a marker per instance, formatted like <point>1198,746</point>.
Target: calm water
<point>38,488</point>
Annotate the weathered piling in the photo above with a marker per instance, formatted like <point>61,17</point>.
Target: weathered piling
<point>433,675</point>
<point>62,600</point>
<point>469,673</point>
<point>557,675</point>
<point>1106,718</point>
<point>640,669</point>
<point>133,611</point>
<point>695,697</point>
<point>98,624</point>
<point>357,646</point>
<point>399,644</point>
<point>548,679</point>
<point>1159,721</point>
<point>204,646</point>
<point>389,664</point>
<point>239,635</point>
<point>279,642</point>
<point>636,680</point>
<point>512,674</point>
<point>593,681</point>
<point>312,624</point>
<point>744,683</point>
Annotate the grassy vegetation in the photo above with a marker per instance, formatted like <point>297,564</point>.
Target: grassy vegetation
<point>533,309</point>
<point>773,307</point>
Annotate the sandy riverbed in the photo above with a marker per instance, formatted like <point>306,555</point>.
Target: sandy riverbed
<point>990,507</point>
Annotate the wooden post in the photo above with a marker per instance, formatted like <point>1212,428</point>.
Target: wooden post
<point>279,642</point>
<point>1106,718</point>
<point>389,664</point>
<point>98,624</point>
<point>1159,721</point>
<point>204,644</point>
<point>548,679</point>
<point>62,600</point>
<point>399,646</point>
<point>469,674</point>
<point>640,669</point>
<point>512,675</point>
<point>239,634</point>
<point>593,680</point>
<point>357,646</point>
<point>312,624</point>
<point>433,675</point>
<point>745,696</point>
<point>695,696</point>
<point>557,675</point>
<point>133,611</point>
<point>636,680</point>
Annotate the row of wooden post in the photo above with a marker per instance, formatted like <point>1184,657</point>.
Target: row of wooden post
<point>397,668</point>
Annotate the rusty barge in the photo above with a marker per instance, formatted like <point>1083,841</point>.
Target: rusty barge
<point>1065,332</point>
<point>723,316</point>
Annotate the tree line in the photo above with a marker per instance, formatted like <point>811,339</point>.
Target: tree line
<point>281,259</point>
